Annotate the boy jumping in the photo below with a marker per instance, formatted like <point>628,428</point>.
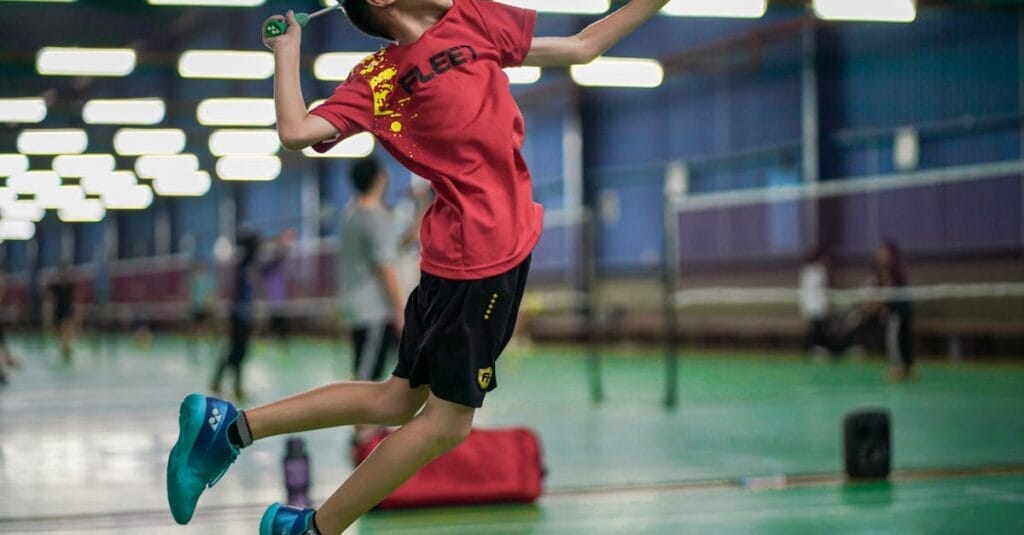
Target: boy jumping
<point>436,98</point>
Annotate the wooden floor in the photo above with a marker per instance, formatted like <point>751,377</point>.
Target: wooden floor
<point>754,446</point>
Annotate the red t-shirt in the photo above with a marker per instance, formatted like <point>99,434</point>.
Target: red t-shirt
<point>443,108</point>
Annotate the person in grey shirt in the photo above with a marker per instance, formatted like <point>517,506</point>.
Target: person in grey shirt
<point>370,294</point>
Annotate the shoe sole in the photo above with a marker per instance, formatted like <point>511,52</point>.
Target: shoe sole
<point>267,522</point>
<point>190,417</point>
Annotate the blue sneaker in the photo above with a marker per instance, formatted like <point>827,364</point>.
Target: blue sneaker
<point>286,520</point>
<point>202,453</point>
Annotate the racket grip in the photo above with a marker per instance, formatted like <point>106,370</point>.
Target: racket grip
<point>277,27</point>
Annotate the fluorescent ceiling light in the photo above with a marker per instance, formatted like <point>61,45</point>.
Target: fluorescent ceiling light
<point>193,184</point>
<point>69,61</point>
<point>563,6</point>
<point>225,142</point>
<point>747,9</point>
<point>136,141</point>
<point>84,211</point>
<point>79,165</point>
<point>236,112</point>
<point>137,197</point>
<point>223,3</point>
<point>619,72</point>
<point>357,146</point>
<point>22,211</point>
<point>336,66</point>
<point>101,184</point>
<point>7,196</point>
<point>226,64</point>
<point>12,164</point>
<point>17,230</point>
<point>523,75</point>
<point>22,110</point>
<point>869,10</point>
<point>33,182</point>
<point>60,197</point>
<point>152,166</point>
<point>256,168</point>
<point>124,111</point>
<point>56,141</point>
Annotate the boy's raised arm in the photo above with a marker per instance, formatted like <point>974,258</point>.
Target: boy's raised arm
<point>595,39</point>
<point>296,128</point>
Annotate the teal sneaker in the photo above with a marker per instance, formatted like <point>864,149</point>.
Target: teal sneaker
<point>202,453</point>
<point>286,520</point>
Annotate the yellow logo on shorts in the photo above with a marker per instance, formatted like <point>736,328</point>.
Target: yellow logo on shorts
<point>483,377</point>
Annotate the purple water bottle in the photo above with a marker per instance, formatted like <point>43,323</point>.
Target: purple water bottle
<point>296,473</point>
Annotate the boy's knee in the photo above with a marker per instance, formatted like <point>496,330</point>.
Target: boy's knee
<point>398,403</point>
<point>447,433</point>
<point>399,412</point>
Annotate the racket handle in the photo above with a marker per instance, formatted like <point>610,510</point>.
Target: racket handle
<point>277,27</point>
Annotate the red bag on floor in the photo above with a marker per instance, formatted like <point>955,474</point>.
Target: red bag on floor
<point>492,466</point>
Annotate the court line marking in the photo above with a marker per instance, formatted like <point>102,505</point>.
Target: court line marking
<point>995,494</point>
<point>779,481</point>
<point>750,483</point>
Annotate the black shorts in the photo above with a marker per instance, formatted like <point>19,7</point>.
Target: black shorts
<point>371,345</point>
<point>455,330</point>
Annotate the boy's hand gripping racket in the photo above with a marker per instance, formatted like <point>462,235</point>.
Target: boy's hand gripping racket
<point>277,27</point>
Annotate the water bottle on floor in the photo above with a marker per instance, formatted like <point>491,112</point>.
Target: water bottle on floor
<point>296,473</point>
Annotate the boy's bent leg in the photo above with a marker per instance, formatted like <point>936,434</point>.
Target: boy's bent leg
<point>203,451</point>
<point>439,428</point>
<point>391,402</point>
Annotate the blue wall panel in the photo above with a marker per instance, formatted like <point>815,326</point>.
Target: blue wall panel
<point>198,221</point>
<point>49,231</point>
<point>135,233</point>
<point>271,207</point>
<point>16,256</point>
<point>89,240</point>
<point>634,237</point>
<point>702,118</point>
<point>946,66</point>
<point>1000,200</point>
<point>542,151</point>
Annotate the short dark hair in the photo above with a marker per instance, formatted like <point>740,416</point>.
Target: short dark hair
<point>361,15</point>
<point>365,174</point>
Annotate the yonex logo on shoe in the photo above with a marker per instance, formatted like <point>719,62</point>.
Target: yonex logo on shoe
<point>215,419</point>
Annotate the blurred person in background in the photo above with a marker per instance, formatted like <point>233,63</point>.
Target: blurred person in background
<point>371,296</point>
<point>895,311</point>
<point>202,290</point>
<point>241,316</point>
<point>7,360</point>
<point>815,306</point>
<point>275,285</point>
<point>62,295</point>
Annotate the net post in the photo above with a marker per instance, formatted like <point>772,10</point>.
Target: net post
<point>676,178</point>
<point>588,278</point>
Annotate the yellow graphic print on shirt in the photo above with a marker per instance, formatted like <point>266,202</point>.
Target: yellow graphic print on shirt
<point>381,78</point>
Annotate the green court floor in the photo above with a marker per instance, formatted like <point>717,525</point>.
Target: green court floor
<point>82,448</point>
